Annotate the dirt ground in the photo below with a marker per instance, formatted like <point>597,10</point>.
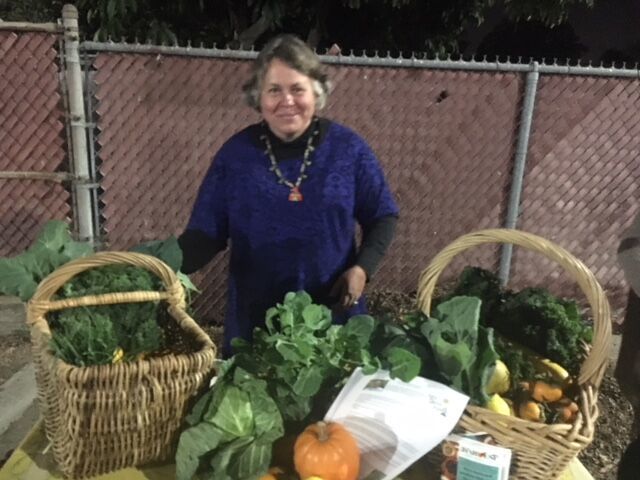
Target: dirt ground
<point>600,458</point>
<point>15,353</point>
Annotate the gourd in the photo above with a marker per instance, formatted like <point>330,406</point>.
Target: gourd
<point>500,380</point>
<point>498,404</point>
<point>328,451</point>
<point>272,474</point>
<point>531,411</point>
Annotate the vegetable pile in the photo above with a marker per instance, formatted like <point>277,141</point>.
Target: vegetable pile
<point>291,372</point>
<point>94,335</point>
<point>282,382</point>
<point>541,343</point>
<point>516,353</point>
<point>301,361</point>
<point>104,334</point>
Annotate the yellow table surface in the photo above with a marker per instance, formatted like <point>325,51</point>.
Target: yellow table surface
<point>30,461</point>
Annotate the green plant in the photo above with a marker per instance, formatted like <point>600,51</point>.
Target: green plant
<point>84,338</point>
<point>300,360</point>
<point>89,335</point>
<point>462,349</point>
<point>306,358</point>
<point>552,327</point>
<point>20,275</point>
<point>231,430</point>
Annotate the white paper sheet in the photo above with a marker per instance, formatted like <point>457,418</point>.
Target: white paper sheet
<point>395,423</point>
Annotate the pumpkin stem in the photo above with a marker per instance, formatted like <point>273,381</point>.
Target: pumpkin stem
<point>323,431</point>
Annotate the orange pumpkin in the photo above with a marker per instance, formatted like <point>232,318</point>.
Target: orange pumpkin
<point>328,451</point>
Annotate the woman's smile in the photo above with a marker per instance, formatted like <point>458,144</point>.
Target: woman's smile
<point>287,100</point>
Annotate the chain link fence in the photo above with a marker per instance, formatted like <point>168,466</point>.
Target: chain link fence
<point>161,118</point>
<point>582,186</point>
<point>465,146</point>
<point>33,144</point>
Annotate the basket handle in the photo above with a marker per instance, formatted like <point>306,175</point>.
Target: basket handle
<point>595,364</point>
<point>41,302</point>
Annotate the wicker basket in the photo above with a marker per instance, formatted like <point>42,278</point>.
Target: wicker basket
<point>102,418</point>
<point>541,451</point>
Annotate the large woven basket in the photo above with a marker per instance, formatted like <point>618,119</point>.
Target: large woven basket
<point>540,451</point>
<point>102,418</point>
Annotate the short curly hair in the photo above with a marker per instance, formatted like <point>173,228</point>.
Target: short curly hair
<point>296,54</point>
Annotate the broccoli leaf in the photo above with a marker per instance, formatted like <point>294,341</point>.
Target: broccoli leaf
<point>167,250</point>
<point>194,443</point>
<point>16,279</point>
<point>462,349</point>
<point>20,275</point>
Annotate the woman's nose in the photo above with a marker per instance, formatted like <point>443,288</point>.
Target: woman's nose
<point>288,98</point>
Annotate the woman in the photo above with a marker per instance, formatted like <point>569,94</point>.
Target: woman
<point>287,192</point>
<point>628,365</point>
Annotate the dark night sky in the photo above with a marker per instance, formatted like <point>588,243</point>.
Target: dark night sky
<point>610,24</point>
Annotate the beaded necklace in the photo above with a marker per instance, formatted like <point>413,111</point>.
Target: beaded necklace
<point>294,187</point>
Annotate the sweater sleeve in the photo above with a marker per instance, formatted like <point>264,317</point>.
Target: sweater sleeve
<point>374,199</point>
<point>198,249</point>
<point>376,239</point>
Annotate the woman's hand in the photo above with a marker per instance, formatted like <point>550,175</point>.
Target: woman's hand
<point>349,287</point>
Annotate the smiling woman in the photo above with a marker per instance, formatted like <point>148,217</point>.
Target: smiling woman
<point>288,193</point>
<point>287,101</point>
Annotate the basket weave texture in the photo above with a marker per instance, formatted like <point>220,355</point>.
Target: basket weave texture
<point>540,451</point>
<point>105,417</point>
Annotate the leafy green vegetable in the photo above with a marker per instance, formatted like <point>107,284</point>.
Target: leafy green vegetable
<point>520,367</point>
<point>84,338</point>
<point>168,250</point>
<point>234,414</point>
<point>480,283</point>
<point>134,326</point>
<point>233,427</point>
<point>553,327</point>
<point>456,343</point>
<point>307,359</point>
<point>20,275</point>
<point>195,442</point>
<point>289,375</point>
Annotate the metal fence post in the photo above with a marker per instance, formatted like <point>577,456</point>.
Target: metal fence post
<point>513,210</point>
<point>82,183</point>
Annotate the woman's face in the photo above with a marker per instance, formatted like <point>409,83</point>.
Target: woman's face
<point>287,100</point>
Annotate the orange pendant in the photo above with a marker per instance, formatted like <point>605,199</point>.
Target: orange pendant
<point>295,195</point>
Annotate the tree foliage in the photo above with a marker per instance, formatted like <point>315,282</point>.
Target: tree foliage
<point>387,25</point>
<point>36,11</point>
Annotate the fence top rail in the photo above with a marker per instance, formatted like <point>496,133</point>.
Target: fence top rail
<point>31,27</point>
<point>378,61</point>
